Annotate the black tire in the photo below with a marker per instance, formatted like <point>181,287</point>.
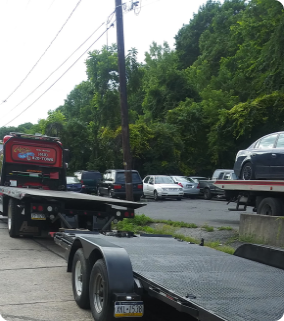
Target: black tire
<point>207,194</point>
<point>101,303</point>
<point>156,196</point>
<point>247,172</point>
<point>270,206</point>
<point>80,279</point>
<point>13,220</point>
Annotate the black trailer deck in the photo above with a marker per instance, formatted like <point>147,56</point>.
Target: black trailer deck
<point>218,285</point>
<point>21,193</point>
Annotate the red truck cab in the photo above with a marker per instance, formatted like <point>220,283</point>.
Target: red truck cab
<point>33,161</point>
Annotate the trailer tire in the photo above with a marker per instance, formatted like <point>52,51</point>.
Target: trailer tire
<point>270,206</point>
<point>80,279</point>
<point>100,299</point>
<point>13,224</point>
<point>207,194</point>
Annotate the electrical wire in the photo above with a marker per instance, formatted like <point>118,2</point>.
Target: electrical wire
<point>52,72</point>
<point>5,100</point>
<point>57,79</point>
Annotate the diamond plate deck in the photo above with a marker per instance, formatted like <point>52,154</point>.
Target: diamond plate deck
<point>233,288</point>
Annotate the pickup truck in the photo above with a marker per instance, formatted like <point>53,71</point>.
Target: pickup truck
<point>208,189</point>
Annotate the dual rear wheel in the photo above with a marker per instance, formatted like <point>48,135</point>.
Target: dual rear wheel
<point>90,287</point>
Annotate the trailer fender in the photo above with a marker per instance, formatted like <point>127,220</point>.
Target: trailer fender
<point>119,268</point>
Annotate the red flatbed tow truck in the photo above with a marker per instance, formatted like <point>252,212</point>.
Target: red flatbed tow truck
<point>265,196</point>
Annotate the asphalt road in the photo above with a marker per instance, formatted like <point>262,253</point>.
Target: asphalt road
<point>213,213</point>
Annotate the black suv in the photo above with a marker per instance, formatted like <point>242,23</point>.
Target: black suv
<point>113,184</point>
<point>89,181</point>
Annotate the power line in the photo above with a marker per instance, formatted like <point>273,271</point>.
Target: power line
<point>58,78</point>
<point>53,71</point>
<point>5,100</point>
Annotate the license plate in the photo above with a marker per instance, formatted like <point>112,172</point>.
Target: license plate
<point>124,309</point>
<point>38,216</point>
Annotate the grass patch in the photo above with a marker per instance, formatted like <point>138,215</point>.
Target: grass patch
<point>176,224</point>
<point>140,224</point>
<point>225,228</point>
<point>207,228</point>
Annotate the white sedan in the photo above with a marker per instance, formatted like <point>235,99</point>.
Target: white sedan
<point>161,186</point>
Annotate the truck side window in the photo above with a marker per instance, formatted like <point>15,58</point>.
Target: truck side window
<point>221,175</point>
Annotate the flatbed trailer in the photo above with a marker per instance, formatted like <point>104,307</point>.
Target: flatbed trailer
<point>266,196</point>
<point>37,212</point>
<point>112,272</point>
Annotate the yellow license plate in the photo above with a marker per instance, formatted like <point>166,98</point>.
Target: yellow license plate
<point>124,309</point>
<point>38,216</point>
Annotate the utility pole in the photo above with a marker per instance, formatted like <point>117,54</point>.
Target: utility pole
<point>123,101</point>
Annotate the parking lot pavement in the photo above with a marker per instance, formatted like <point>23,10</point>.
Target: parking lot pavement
<point>33,281</point>
<point>213,213</point>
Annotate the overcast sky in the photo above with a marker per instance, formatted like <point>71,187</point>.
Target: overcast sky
<point>28,28</point>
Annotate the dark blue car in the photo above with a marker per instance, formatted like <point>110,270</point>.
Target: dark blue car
<point>264,159</point>
<point>73,184</point>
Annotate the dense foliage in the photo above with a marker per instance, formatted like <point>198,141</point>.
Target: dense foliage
<point>190,109</point>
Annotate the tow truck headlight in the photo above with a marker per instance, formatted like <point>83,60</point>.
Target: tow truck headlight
<point>49,208</point>
<point>118,213</point>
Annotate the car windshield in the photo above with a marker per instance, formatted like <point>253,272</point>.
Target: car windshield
<point>72,180</point>
<point>120,177</point>
<point>163,180</point>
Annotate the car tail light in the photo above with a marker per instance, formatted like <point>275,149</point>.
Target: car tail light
<point>140,186</point>
<point>82,182</point>
<point>83,186</point>
<point>180,184</point>
<point>116,186</point>
<point>198,186</point>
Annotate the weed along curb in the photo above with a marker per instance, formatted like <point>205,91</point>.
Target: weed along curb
<point>218,238</point>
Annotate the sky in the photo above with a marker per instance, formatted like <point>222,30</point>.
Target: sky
<point>34,45</point>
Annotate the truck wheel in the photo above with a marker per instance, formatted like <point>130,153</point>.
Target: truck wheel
<point>80,280</point>
<point>270,206</point>
<point>247,172</point>
<point>207,194</point>
<point>100,299</point>
<point>13,224</point>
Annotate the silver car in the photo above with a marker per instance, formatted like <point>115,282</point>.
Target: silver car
<point>190,187</point>
<point>161,186</point>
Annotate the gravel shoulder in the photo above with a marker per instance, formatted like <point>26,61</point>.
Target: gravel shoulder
<point>224,237</point>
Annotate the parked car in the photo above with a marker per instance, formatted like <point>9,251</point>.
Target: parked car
<point>113,184</point>
<point>161,186</point>
<point>207,187</point>
<point>73,184</point>
<point>190,187</point>
<point>89,181</point>
<point>264,159</point>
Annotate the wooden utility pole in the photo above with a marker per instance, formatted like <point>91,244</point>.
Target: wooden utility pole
<point>123,101</point>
